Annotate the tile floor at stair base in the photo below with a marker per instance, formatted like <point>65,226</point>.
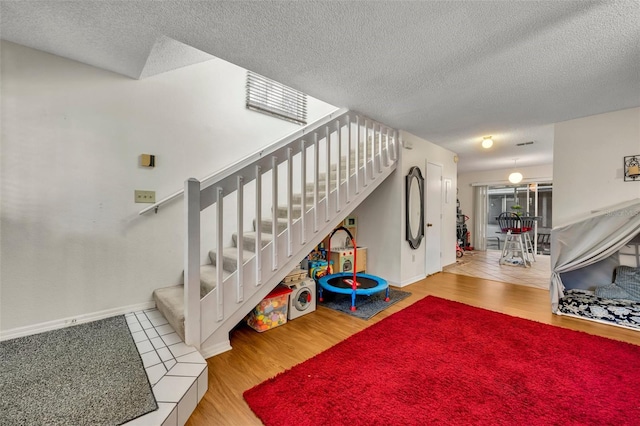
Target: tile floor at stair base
<point>177,372</point>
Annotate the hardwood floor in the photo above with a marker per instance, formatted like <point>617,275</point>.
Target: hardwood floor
<point>485,264</point>
<point>258,356</point>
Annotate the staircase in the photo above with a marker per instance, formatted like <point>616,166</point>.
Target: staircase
<point>304,185</point>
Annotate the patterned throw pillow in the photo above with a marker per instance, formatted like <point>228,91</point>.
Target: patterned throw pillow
<point>612,291</point>
<point>628,279</point>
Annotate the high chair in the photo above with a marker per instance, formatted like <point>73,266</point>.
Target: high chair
<point>517,242</point>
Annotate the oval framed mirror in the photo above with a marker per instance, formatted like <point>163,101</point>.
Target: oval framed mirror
<point>415,207</point>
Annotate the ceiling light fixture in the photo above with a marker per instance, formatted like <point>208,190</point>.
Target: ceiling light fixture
<point>515,177</point>
<point>487,142</point>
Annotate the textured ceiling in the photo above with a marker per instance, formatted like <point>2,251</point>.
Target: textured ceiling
<point>449,72</point>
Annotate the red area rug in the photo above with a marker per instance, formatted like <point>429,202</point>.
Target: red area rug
<point>443,362</point>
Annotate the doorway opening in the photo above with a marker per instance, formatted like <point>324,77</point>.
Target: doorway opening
<point>530,199</point>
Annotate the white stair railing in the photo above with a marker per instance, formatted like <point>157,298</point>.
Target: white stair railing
<point>350,155</point>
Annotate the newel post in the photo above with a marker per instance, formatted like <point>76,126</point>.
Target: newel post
<point>192,263</point>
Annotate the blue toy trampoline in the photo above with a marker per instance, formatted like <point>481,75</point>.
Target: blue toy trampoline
<point>351,282</point>
<point>343,283</point>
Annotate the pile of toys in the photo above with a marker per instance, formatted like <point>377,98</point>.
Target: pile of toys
<point>316,263</point>
<point>296,275</point>
<point>272,311</point>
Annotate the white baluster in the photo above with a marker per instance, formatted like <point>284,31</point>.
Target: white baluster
<point>386,147</point>
<point>327,183</point>
<point>373,151</point>
<point>274,209</point>
<point>192,263</point>
<point>379,143</point>
<point>338,166</point>
<point>239,246</point>
<point>258,227</point>
<point>303,181</point>
<point>219,260</point>
<point>316,171</point>
<point>358,141</point>
<point>366,154</point>
<point>348,160</point>
<point>393,146</point>
<point>289,201</point>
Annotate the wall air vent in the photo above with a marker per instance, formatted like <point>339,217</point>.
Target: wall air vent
<point>524,143</point>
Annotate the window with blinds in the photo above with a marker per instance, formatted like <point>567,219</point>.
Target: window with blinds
<point>270,97</point>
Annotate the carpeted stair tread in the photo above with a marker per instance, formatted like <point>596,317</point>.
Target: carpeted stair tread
<point>249,240</point>
<point>209,278</point>
<point>321,187</point>
<point>230,258</point>
<point>267,225</point>
<point>296,210</point>
<point>170,302</point>
<point>297,198</point>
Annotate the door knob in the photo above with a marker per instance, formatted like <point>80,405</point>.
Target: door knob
<point>429,224</point>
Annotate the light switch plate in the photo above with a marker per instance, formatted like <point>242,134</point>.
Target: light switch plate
<point>145,196</point>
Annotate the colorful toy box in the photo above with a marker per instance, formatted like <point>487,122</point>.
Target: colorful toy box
<point>272,311</point>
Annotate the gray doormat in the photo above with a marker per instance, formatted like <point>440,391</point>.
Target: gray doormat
<point>366,306</point>
<point>89,374</point>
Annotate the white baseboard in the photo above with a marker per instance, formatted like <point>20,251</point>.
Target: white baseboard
<point>67,322</point>
<point>217,349</point>
<point>411,280</point>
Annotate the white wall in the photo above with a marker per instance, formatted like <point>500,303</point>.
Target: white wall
<point>72,241</point>
<point>495,177</point>
<point>588,159</point>
<point>381,218</point>
<point>379,225</point>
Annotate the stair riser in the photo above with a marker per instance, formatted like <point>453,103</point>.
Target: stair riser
<point>295,210</point>
<point>267,226</point>
<point>297,199</point>
<point>228,263</point>
<point>321,187</point>
<point>343,163</point>
<point>248,243</point>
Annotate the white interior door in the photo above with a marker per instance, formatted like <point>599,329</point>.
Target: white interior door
<point>433,218</point>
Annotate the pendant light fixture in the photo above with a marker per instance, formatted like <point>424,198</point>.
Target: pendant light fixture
<point>515,177</point>
<point>487,142</point>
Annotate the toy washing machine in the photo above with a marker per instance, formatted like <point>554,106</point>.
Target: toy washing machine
<point>302,299</point>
